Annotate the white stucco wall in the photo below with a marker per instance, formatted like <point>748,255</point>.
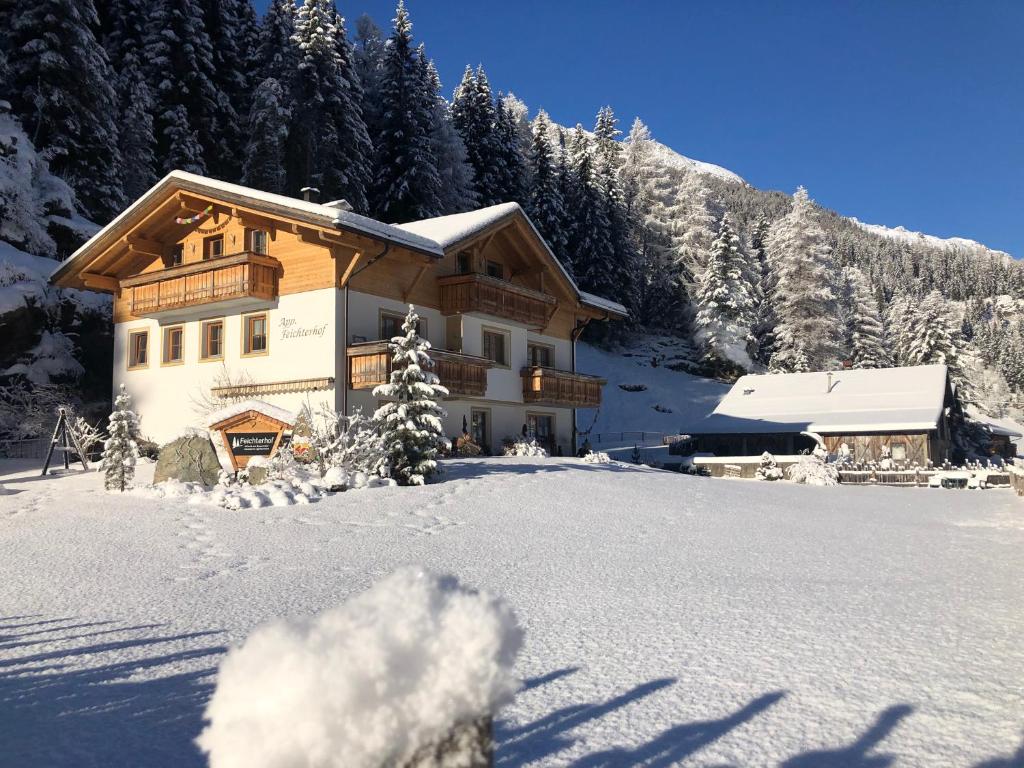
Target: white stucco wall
<point>364,317</point>
<point>168,398</point>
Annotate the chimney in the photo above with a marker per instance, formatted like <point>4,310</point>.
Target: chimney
<point>310,194</point>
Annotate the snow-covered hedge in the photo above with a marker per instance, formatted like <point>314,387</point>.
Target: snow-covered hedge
<point>597,457</point>
<point>365,684</point>
<point>523,447</point>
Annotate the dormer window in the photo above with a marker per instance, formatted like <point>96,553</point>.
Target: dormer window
<point>213,247</point>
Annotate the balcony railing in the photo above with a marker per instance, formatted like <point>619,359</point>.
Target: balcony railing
<point>499,298</point>
<point>548,386</point>
<point>369,364</point>
<point>238,276</point>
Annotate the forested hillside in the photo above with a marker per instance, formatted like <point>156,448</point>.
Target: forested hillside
<point>102,97</point>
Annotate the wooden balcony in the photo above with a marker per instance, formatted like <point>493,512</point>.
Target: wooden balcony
<point>564,389</point>
<point>239,276</point>
<point>498,298</point>
<point>369,364</point>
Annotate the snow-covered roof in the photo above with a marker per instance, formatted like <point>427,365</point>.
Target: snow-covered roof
<point>243,406</point>
<point>868,400</point>
<point>431,236</point>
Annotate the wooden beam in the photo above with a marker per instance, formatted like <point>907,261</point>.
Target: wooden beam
<point>143,244</point>
<point>416,281</point>
<point>347,275</point>
<point>101,282</point>
<point>255,221</point>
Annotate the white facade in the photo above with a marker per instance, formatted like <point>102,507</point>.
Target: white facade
<point>306,341</point>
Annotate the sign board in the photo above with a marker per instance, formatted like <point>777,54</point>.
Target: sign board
<point>250,433</point>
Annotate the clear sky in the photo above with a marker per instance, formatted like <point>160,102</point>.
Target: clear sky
<point>898,112</point>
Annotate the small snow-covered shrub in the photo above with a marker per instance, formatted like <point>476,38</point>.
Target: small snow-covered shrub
<point>597,457</point>
<point>813,469</point>
<point>768,469</point>
<point>365,684</point>
<point>523,447</point>
<point>121,450</point>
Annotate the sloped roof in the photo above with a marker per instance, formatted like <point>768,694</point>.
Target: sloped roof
<point>868,400</point>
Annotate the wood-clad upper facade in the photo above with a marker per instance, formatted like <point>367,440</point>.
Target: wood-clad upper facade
<point>292,297</point>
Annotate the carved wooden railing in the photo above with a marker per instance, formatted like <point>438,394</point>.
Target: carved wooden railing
<point>549,386</point>
<point>498,298</point>
<point>369,364</point>
<point>240,275</point>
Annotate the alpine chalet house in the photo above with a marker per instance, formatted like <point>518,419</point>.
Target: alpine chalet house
<point>224,293</point>
<point>905,412</point>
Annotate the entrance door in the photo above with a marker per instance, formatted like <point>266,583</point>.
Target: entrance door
<point>480,428</point>
<point>541,428</point>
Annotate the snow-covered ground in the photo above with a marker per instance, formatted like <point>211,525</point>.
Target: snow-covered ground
<point>669,619</point>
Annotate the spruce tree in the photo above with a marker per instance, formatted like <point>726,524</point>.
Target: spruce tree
<point>808,332</point>
<point>368,59</point>
<point>724,305</point>
<point>545,206</point>
<point>330,148</point>
<point>765,319</point>
<point>620,279</point>
<point>121,448</point>
<point>406,184</point>
<point>475,118</point>
<point>276,54</point>
<point>268,139</point>
<point>230,27</point>
<point>590,247</point>
<point>513,183</point>
<point>410,422</point>
<point>60,87</point>
<point>455,175</point>
<point>138,143</point>
<point>865,332</point>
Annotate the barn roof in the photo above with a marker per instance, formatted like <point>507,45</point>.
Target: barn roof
<point>868,400</point>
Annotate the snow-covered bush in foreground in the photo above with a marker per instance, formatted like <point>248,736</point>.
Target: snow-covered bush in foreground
<point>523,447</point>
<point>768,469</point>
<point>813,469</point>
<point>365,684</point>
<point>597,457</point>
<point>121,449</point>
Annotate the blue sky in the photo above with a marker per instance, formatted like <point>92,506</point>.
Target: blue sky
<point>901,112</point>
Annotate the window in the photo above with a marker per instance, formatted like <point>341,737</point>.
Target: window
<point>391,325</point>
<point>899,451</point>
<point>480,428</point>
<point>541,427</point>
<point>495,346</point>
<point>213,340</point>
<point>255,342</point>
<point>138,349</point>
<point>213,247</point>
<point>258,241</point>
<point>174,348</point>
<point>494,269</point>
<point>540,355</point>
<point>463,263</point>
<point>177,255</point>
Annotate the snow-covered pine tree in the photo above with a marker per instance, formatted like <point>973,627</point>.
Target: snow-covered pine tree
<point>763,329</point>
<point>410,422</point>
<point>864,330</point>
<point>406,186</point>
<point>474,115</point>
<point>268,139</point>
<point>179,58</point>
<point>513,184</point>
<point>724,305</point>
<point>899,317</point>
<point>590,247</point>
<point>276,54</point>
<point>619,282</point>
<point>125,41</point>
<point>330,147</point>
<point>138,144</point>
<point>368,59</point>
<point>695,218</point>
<point>121,448</point>
<point>808,332</point>
<point>230,25</point>
<point>545,206</point>
<point>456,193</point>
<point>60,87</point>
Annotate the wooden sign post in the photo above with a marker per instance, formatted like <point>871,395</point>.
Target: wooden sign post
<point>250,433</point>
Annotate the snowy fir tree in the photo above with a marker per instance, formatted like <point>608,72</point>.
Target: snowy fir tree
<point>545,206</point>
<point>137,141</point>
<point>808,332</point>
<point>268,139</point>
<point>724,305</point>
<point>590,247</point>
<point>406,185</point>
<point>231,28</point>
<point>330,146</point>
<point>763,329</point>
<point>865,333</point>
<point>276,54</point>
<point>513,184</point>
<point>410,422</point>
<point>693,229</point>
<point>475,118</point>
<point>455,175</point>
<point>619,278</point>
<point>59,85</point>
<point>121,448</point>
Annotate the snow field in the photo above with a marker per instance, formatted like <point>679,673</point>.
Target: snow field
<point>669,620</point>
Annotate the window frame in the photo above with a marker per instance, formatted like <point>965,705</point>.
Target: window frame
<point>132,363</point>
<point>382,313</point>
<point>208,247</point>
<point>204,337</point>
<point>550,348</point>
<point>165,345</point>
<point>247,320</point>
<point>250,240</point>
<point>506,343</point>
